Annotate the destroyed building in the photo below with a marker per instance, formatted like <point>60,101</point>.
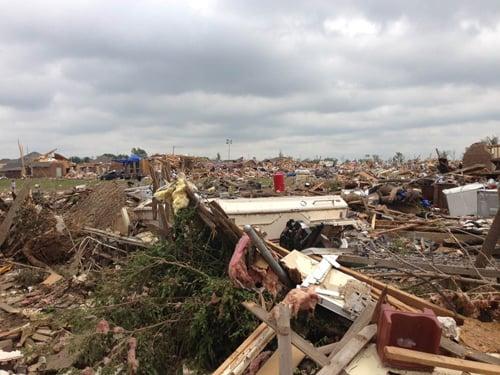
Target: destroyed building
<point>260,267</point>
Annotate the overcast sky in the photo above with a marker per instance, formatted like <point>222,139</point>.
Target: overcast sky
<point>329,78</point>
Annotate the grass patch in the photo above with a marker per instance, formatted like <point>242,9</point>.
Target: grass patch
<point>47,184</point>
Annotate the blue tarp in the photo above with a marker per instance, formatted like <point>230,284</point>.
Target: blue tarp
<point>129,160</point>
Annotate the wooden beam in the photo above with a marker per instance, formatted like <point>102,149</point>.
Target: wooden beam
<point>359,323</point>
<point>462,352</point>
<point>249,349</point>
<point>440,236</point>
<point>271,367</point>
<point>396,229</point>
<point>428,359</point>
<point>9,218</point>
<point>347,353</point>
<point>282,316</point>
<point>116,237</point>
<point>353,260</point>
<point>304,345</point>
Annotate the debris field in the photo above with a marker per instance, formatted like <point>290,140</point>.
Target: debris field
<point>253,267</point>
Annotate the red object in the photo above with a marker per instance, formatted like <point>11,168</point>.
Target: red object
<point>279,182</point>
<point>415,331</point>
<point>238,271</point>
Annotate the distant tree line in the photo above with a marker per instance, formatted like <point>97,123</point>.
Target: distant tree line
<point>86,159</point>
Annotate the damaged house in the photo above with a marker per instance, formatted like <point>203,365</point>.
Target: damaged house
<point>51,165</point>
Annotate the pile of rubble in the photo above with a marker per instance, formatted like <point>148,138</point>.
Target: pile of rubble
<point>355,268</point>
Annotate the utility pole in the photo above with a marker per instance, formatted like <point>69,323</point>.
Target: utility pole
<point>229,142</point>
<point>173,150</point>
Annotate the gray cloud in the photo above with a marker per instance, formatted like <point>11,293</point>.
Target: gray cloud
<point>310,78</point>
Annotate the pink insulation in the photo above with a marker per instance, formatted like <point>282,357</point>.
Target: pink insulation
<point>301,300</point>
<point>238,271</point>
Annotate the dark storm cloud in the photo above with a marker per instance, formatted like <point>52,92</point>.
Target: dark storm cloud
<point>307,77</point>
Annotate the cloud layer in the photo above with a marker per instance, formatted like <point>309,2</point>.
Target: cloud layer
<point>309,78</point>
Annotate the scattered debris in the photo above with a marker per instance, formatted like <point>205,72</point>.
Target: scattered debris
<point>176,271</point>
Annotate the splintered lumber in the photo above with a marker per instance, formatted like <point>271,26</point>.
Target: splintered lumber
<point>271,367</point>
<point>359,323</point>
<point>402,227</point>
<point>284,339</point>
<point>115,237</point>
<point>428,359</point>
<point>347,353</point>
<point>304,345</point>
<point>238,362</point>
<point>404,297</point>
<point>460,351</point>
<point>9,218</point>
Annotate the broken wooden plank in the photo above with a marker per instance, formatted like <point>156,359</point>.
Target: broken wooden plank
<point>239,360</point>
<point>271,367</point>
<point>440,236</point>
<point>435,360</point>
<point>304,345</point>
<point>116,237</point>
<point>9,218</point>
<point>282,316</point>
<point>396,229</point>
<point>463,352</point>
<point>347,353</point>
<point>359,323</point>
<point>352,260</point>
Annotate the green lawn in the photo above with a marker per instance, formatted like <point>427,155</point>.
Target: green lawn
<point>47,184</point>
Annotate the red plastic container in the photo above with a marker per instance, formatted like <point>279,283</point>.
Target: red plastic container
<point>416,331</point>
<point>279,182</point>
